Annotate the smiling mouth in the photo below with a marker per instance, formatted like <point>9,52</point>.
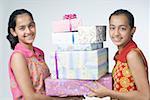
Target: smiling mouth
<point>29,36</point>
<point>117,39</point>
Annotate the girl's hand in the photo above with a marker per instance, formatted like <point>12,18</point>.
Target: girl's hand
<point>99,90</point>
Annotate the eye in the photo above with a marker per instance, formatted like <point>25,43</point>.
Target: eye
<point>32,25</point>
<point>111,28</point>
<point>123,29</point>
<point>22,28</point>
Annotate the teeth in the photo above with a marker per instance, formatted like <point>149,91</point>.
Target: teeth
<point>117,39</point>
<point>28,36</point>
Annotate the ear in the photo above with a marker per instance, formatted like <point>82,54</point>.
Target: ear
<point>13,32</point>
<point>133,30</point>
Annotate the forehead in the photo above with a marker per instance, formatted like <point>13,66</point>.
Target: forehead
<point>119,20</point>
<point>23,19</point>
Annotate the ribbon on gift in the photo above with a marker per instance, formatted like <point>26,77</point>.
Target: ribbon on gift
<point>72,38</point>
<point>56,65</point>
<point>69,17</point>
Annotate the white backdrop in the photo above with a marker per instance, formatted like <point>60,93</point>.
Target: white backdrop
<point>92,12</point>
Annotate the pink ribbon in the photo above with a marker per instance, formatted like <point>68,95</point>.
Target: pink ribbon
<point>70,16</point>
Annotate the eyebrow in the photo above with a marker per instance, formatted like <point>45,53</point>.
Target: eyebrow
<point>119,25</point>
<point>32,22</point>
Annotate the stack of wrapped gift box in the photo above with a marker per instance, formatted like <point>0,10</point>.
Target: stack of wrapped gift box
<point>79,58</point>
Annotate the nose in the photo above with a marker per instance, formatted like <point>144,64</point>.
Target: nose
<point>116,32</point>
<point>28,30</point>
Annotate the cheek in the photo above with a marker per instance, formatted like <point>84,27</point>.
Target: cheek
<point>19,33</point>
<point>33,29</point>
<point>110,33</point>
<point>125,34</point>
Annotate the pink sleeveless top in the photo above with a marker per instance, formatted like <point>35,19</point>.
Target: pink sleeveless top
<point>37,68</point>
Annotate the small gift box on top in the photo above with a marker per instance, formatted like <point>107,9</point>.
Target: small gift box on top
<point>69,23</point>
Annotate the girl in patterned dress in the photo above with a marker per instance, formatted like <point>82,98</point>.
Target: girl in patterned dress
<point>27,67</point>
<point>130,73</point>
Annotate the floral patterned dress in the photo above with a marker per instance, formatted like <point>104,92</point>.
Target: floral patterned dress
<point>122,76</point>
<point>37,68</point>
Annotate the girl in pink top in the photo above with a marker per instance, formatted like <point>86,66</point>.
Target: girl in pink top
<point>27,68</point>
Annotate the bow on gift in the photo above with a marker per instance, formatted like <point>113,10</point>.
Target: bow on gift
<point>70,16</point>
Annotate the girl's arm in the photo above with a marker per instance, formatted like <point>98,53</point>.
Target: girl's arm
<point>138,71</point>
<point>21,72</point>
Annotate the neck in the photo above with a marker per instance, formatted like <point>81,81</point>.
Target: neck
<point>28,46</point>
<point>121,47</point>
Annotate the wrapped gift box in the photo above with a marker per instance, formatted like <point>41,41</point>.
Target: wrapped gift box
<point>66,25</point>
<point>74,59</point>
<point>63,38</point>
<point>84,73</point>
<point>57,87</point>
<point>85,35</point>
<point>91,34</point>
<point>76,47</point>
<point>82,60</point>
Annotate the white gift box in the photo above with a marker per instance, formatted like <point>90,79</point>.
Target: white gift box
<point>67,38</point>
<point>85,35</point>
<point>74,47</point>
<point>77,61</point>
<point>84,73</point>
<point>91,34</point>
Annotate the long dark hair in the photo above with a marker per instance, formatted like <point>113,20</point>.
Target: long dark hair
<point>12,24</point>
<point>128,14</point>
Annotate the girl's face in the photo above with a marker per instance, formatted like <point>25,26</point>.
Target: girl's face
<point>25,29</point>
<point>119,30</point>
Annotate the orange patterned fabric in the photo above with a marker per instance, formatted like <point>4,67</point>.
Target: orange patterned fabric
<point>122,76</point>
<point>123,80</point>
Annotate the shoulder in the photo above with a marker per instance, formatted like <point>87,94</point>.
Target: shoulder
<point>18,61</point>
<point>133,54</point>
<point>17,56</point>
<point>134,57</point>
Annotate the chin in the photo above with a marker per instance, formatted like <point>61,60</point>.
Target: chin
<point>117,43</point>
<point>30,42</point>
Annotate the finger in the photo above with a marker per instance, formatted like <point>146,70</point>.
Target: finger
<point>98,84</point>
<point>90,88</point>
<point>91,94</point>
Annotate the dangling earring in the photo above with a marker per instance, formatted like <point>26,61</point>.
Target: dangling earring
<point>132,35</point>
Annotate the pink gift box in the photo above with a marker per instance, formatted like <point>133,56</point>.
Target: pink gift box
<point>66,25</point>
<point>57,87</point>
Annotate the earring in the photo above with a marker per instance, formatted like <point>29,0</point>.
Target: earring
<point>131,35</point>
